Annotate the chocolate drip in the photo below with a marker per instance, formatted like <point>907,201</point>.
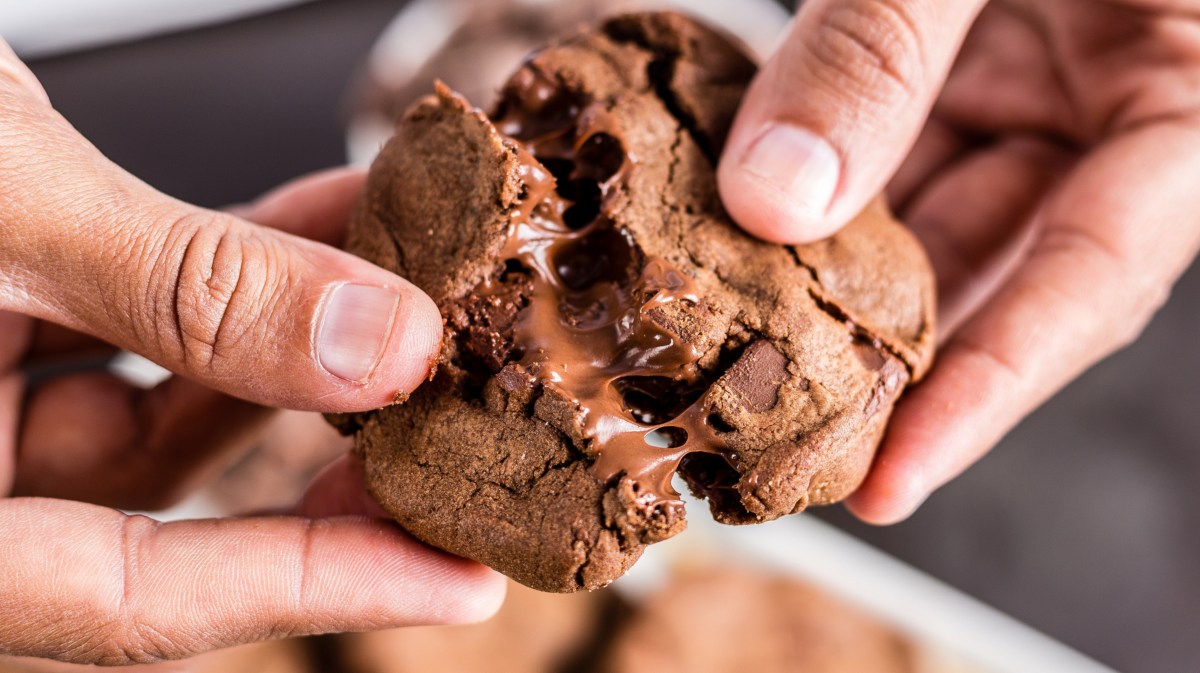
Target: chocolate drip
<point>588,330</point>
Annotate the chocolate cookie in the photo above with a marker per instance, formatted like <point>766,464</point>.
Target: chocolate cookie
<point>608,326</point>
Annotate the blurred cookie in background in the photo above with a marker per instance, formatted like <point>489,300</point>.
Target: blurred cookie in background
<point>725,619</point>
<point>534,632</point>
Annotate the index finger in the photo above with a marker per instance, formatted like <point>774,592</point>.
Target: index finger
<point>91,585</point>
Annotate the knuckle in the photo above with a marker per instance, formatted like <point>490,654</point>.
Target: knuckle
<point>302,592</point>
<point>124,645</point>
<point>871,47</point>
<point>996,362</point>
<point>144,643</point>
<point>118,630</point>
<point>215,279</point>
<point>1131,298</point>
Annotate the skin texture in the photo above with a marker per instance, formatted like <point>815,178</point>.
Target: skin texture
<point>1044,151</point>
<point>88,246</point>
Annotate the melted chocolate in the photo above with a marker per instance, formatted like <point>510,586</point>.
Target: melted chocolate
<point>588,330</point>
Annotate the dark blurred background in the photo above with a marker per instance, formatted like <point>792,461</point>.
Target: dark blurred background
<point>1084,523</point>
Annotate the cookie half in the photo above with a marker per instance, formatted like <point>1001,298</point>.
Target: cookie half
<point>608,326</point>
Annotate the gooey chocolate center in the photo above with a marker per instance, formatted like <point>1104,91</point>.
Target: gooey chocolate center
<point>588,329</point>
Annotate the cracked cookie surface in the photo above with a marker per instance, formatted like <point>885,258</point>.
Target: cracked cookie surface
<point>608,326</point>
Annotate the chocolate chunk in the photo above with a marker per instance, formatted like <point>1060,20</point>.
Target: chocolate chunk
<point>486,321</point>
<point>757,376</point>
<point>607,323</point>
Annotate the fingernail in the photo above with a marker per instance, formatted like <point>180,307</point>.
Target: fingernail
<point>797,163</point>
<point>354,331</point>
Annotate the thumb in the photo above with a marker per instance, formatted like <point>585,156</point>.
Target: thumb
<point>254,312</point>
<point>833,113</point>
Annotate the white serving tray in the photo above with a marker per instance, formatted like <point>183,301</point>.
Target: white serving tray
<point>46,27</point>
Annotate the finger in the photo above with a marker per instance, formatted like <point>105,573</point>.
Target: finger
<point>316,206</point>
<point>936,149</point>
<point>291,450</point>
<point>339,491</point>
<point>11,389</point>
<point>1117,235</point>
<point>833,113</point>
<point>123,589</point>
<point>153,447</point>
<point>16,333</point>
<point>248,310</point>
<point>17,73</point>
<point>1009,75</point>
<point>975,220</point>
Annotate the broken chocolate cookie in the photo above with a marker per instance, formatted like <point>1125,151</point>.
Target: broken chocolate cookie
<point>608,326</point>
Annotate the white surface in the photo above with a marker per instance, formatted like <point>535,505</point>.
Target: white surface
<point>413,37</point>
<point>932,612</point>
<point>196,507</point>
<point>44,27</point>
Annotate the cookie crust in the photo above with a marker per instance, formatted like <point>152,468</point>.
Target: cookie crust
<point>796,354</point>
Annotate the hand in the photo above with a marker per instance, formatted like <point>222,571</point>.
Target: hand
<point>1046,152</point>
<point>92,259</point>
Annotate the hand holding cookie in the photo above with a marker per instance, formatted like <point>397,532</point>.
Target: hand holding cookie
<point>234,308</point>
<point>608,326</point>
<point>1044,152</point>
